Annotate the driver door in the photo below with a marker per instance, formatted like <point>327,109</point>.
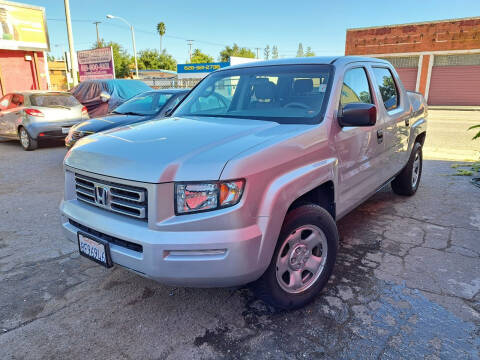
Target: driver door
<point>359,148</point>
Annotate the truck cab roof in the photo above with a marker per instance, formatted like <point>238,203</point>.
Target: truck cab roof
<point>321,60</point>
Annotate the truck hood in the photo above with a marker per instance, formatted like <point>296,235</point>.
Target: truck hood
<point>174,149</point>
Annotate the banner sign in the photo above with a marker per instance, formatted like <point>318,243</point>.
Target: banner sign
<point>23,27</point>
<point>96,64</point>
<point>200,68</point>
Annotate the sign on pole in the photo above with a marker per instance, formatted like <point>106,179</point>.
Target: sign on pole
<point>23,27</point>
<point>96,64</point>
<point>198,70</point>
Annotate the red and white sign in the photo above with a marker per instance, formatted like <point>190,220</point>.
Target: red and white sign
<point>96,64</point>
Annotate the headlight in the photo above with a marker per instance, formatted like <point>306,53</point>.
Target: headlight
<point>195,197</point>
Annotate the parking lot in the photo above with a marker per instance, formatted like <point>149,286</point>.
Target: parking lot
<point>406,284</point>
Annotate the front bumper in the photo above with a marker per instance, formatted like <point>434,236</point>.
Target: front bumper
<point>185,258</point>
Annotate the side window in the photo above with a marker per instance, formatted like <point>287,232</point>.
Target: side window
<point>355,87</point>
<point>5,102</point>
<point>387,87</point>
<point>17,101</point>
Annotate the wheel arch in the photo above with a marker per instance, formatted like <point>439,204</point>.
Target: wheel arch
<point>311,183</point>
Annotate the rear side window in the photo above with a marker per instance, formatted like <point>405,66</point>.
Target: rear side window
<point>53,100</point>
<point>387,87</point>
<point>355,88</point>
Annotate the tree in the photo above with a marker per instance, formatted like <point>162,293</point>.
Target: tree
<point>161,31</point>
<point>309,52</point>
<point>153,60</point>
<point>274,52</point>
<point>300,50</point>
<point>266,52</point>
<point>199,57</point>
<point>50,57</point>
<point>235,50</point>
<point>121,58</point>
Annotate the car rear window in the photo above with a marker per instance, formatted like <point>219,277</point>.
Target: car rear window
<point>53,100</point>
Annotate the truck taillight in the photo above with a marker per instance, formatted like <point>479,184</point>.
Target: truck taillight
<point>34,112</point>
<point>84,111</point>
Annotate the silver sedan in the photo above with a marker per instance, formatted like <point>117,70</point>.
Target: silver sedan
<point>34,115</point>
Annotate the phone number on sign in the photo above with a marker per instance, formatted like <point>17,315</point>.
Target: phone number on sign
<point>201,67</point>
<point>95,67</point>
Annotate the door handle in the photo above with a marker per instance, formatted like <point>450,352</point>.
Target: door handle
<point>379,136</point>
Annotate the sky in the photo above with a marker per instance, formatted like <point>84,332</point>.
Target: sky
<point>212,25</point>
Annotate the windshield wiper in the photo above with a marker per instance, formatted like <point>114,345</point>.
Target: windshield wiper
<point>128,113</point>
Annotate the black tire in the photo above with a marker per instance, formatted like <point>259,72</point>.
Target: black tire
<point>268,288</point>
<point>404,183</point>
<point>27,142</point>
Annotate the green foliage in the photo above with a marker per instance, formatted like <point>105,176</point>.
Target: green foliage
<point>50,57</point>
<point>152,60</point>
<point>274,52</point>
<point>300,51</point>
<point>121,58</point>
<point>161,28</point>
<point>309,52</point>
<point>477,135</point>
<point>199,57</point>
<point>473,168</point>
<point>235,50</point>
<point>266,52</point>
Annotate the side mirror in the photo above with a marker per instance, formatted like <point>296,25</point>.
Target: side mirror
<point>358,114</point>
<point>169,112</point>
<point>104,96</point>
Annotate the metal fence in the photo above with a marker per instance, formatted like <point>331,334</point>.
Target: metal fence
<point>158,83</point>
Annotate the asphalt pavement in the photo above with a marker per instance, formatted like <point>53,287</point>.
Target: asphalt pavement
<point>406,284</point>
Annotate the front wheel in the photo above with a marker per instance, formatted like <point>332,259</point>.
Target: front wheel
<point>303,259</point>
<point>407,181</point>
<point>26,140</point>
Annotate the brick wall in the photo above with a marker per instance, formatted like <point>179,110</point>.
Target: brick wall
<point>460,34</point>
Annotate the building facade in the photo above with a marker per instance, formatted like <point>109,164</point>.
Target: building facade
<point>23,43</point>
<point>440,59</point>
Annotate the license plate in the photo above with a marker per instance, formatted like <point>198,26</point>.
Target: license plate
<point>65,130</point>
<point>94,249</point>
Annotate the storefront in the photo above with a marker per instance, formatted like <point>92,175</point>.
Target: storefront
<point>441,59</point>
<point>23,43</point>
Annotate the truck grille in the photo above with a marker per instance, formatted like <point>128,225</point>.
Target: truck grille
<point>122,199</point>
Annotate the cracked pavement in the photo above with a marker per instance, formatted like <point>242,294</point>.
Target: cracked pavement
<point>406,284</point>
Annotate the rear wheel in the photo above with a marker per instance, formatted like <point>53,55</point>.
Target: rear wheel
<point>26,140</point>
<point>303,259</point>
<point>406,183</point>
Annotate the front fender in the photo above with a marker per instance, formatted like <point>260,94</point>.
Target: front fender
<point>282,192</point>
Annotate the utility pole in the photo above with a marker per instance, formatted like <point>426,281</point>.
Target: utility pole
<point>257,52</point>
<point>73,65</point>
<point>98,36</point>
<point>190,43</point>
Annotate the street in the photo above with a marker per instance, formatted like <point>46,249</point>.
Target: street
<point>406,283</point>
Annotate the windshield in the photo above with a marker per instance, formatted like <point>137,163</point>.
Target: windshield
<point>53,100</point>
<point>144,104</point>
<point>280,93</point>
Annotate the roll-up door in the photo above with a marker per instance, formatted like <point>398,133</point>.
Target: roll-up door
<point>455,80</point>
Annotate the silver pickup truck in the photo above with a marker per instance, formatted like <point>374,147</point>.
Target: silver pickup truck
<point>246,179</point>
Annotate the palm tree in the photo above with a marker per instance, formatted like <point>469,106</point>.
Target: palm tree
<point>161,31</point>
